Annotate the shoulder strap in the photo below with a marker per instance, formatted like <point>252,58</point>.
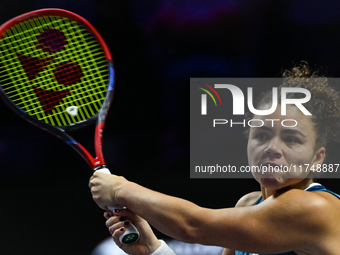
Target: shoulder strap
<point>318,187</point>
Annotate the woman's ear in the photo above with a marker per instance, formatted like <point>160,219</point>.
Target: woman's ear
<point>319,156</point>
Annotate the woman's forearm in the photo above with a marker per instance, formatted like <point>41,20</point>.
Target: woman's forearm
<point>173,216</point>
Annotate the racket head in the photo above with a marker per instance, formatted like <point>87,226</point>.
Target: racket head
<point>56,71</point>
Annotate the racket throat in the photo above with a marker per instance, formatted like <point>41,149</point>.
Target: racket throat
<point>97,168</point>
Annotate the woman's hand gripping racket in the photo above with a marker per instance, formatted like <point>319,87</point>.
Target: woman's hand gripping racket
<point>56,72</point>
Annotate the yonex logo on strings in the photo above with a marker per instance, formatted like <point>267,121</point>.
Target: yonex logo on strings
<point>66,73</point>
<point>238,99</point>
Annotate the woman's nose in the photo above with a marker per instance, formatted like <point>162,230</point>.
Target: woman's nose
<point>273,149</point>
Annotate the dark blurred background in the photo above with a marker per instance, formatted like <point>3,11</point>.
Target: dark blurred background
<point>157,45</point>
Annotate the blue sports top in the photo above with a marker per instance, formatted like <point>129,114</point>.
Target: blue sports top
<point>312,187</point>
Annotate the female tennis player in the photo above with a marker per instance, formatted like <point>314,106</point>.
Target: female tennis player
<point>289,215</point>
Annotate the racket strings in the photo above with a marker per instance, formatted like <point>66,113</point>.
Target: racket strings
<point>48,64</point>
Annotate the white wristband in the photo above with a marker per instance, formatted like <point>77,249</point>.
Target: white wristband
<point>164,249</point>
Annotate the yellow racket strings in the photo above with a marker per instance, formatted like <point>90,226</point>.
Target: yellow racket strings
<point>50,66</point>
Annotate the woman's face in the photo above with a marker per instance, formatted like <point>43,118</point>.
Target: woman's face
<point>283,155</point>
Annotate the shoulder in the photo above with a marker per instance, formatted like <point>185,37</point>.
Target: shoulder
<point>302,198</point>
<point>296,218</point>
<point>297,199</point>
<point>295,205</point>
<point>248,199</point>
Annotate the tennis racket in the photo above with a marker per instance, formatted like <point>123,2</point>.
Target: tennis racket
<point>57,73</point>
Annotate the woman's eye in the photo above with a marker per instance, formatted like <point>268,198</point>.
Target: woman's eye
<point>261,136</point>
<point>292,140</point>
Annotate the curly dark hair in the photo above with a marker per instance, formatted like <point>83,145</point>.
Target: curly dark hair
<point>324,104</point>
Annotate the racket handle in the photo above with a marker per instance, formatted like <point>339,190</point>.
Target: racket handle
<point>131,234</point>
